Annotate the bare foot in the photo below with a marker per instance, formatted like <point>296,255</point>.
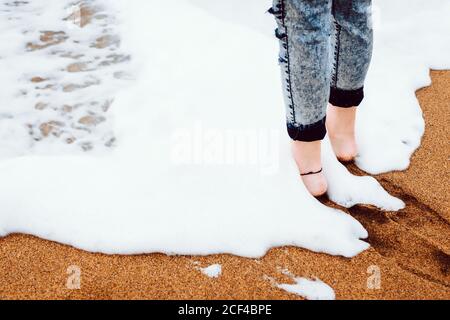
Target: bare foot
<point>341,130</point>
<point>307,155</point>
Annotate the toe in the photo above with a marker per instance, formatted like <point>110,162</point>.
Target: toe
<point>344,148</point>
<point>346,157</point>
<point>316,184</point>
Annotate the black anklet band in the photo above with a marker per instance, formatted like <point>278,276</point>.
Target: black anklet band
<point>311,173</point>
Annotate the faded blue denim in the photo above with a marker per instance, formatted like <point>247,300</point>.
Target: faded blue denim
<point>326,48</point>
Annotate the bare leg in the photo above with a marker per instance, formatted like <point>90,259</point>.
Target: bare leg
<point>307,155</point>
<point>341,130</point>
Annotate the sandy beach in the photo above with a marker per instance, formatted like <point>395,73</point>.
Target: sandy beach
<point>409,254</point>
<point>411,248</point>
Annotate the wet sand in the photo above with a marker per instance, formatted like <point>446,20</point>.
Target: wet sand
<point>411,248</point>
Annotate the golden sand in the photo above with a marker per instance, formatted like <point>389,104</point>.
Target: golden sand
<point>410,248</point>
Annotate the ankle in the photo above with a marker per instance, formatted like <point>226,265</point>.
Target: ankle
<point>307,155</point>
<point>341,121</point>
<point>337,133</point>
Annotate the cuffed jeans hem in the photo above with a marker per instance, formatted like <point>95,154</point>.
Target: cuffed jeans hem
<point>308,133</point>
<point>346,98</point>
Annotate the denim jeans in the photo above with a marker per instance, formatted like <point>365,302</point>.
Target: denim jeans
<point>326,48</point>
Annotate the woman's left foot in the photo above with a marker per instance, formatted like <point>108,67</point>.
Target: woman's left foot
<point>341,130</point>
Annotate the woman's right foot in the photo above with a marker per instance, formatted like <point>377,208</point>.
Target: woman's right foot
<point>341,130</point>
<point>307,155</point>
